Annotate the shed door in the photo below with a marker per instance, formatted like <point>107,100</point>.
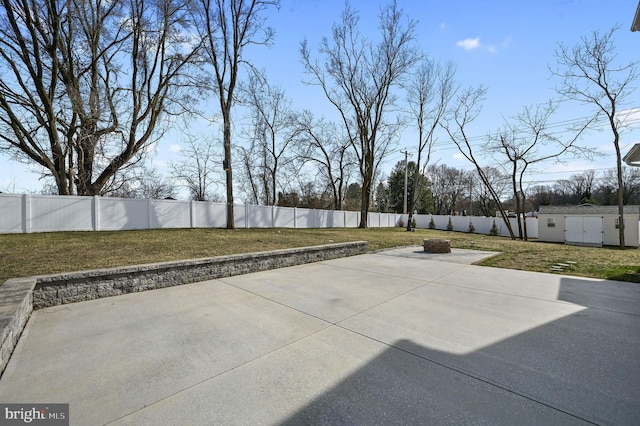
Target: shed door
<point>584,230</point>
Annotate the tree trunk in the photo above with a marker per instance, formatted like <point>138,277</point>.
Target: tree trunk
<point>364,207</point>
<point>227,166</point>
<point>524,210</point>
<point>367,180</point>
<point>616,144</point>
<point>620,201</point>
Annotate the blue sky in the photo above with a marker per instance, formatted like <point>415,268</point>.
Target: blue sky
<point>506,45</point>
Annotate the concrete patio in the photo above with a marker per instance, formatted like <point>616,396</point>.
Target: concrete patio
<point>395,337</point>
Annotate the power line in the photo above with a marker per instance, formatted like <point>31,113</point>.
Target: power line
<point>484,138</point>
<point>449,144</point>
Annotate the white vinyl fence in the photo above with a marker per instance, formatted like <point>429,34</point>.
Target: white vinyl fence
<point>50,213</point>
<point>481,224</point>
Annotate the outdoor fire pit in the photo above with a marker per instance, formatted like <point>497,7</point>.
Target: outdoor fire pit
<point>437,246</point>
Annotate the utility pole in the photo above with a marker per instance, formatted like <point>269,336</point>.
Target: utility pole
<point>470,194</point>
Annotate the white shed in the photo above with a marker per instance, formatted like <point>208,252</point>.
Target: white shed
<point>588,225</point>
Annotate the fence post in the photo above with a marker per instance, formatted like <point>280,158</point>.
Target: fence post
<point>295,218</point>
<point>148,213</point>
<point>26,213</point>
<point>273,216</point>
<point>192,214</point>
<point>96,213</point>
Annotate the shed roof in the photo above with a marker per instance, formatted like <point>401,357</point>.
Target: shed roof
<point>635,24</point>
<point>586,209</point>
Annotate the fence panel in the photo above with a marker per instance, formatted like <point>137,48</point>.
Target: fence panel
<point>337,219</point>
<point>284,217</point>
<point>11,213</point>
<point>60,213</point>
<point>169,214</point>
<point>482,225</point>
<point>422,220</point>
<point>240,216</point>
<point>260,216</point>
<point>373,220</point>
<point>321,218</point>
<point>532,227</point>
<point>353,219</point>
<point>460,223</point>
<point>304,218</point>
<point>123,213</point>
<point>208,215</point>
<point>315,219</point>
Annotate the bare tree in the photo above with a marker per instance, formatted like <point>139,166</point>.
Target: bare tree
<point>320,144</point>
<point>526,141</point>
<point>499,182</point>
<point>607,190</point>
<point>249,176</point>
<point>155,186</point>
<point>144,182</point>
<point>358,78</point>
<point>541,195</point>
<point>584,186</point>
<point>85,85</point>
<point>448,185</point>
<point>590,74</point>
<point>579,188</point>
<point>428,95</point>
<point>273,133</point>
<point>466,108</point>
<point>228,27</point>
<point>197,169</point>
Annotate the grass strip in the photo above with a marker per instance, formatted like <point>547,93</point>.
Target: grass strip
<point>49,253</point>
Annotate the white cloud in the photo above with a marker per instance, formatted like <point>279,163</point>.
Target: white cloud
<point>175,148</point>
<point>442,26</point>
<point>474,43</point>
<point>469,43</point>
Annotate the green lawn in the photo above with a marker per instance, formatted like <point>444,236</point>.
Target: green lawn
<point>47,253</point>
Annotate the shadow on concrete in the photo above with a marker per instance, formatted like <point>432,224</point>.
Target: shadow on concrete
<point>580,369</point>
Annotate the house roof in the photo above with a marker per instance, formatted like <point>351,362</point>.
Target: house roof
<point>635,25</point>
<point>633,156</point>
<point>586,209</point>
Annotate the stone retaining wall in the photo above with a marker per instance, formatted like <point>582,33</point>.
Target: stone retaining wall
<point>15,309</point>
<point>19,296</point>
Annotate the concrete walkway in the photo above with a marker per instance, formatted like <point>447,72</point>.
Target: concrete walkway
<point>396,337</point>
